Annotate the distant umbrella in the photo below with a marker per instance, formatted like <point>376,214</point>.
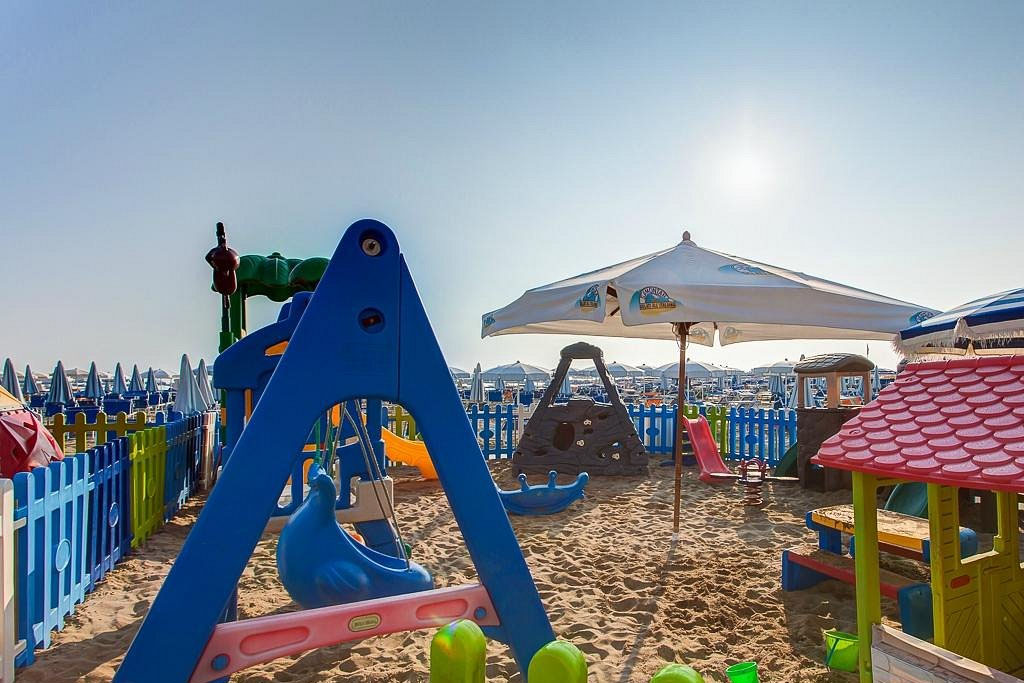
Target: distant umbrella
<point>528,385</point>
<point>162,374</point>
<point>119,387</point>
<point>458,373</point>
<point>151,381</point>
<point>188,400</point>
<point>516,372</point>
<point>876,382</point>
<point>794,395</point>
<point>620,370</point>
<point>203,380</point>
<point>9,380</point>
<point>28,384</point>
<point>135,384</point>
<point>476,386</point>
<point>566,389</point>
<point>60,388</point>
<point>93,387</point>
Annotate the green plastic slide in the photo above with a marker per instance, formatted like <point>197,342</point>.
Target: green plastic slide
<point>787,465</point>
<point>910,499</point>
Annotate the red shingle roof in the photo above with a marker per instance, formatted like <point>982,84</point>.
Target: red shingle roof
<point>958,422</point>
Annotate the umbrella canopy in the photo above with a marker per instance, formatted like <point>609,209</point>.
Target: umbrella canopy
<point>60,388</point>
<point>782,367</point>
<point>695,369</point>
<point>135,383</point>
<point>991,319</point>
<point>622,370</point>
<point>93,387</point>
<point>203,381</point>
<point>9,380</point>
<point>476,386</point>
<point>160,373</point>
<point>689,293</point>
<point>458,373</point>
<point>188,399</point>
<point>743,300</point>
<point>28,384</point>
<point>119,386</point>
<point>151,381</point>
<point>516,372</point>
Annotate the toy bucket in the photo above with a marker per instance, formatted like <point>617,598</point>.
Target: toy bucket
<point>841,650</point>
<point>744,672</point>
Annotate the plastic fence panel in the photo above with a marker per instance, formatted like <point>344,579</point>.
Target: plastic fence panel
<point>761,434</point>
<point>10,645</point>
<point>402,423</point>
<point>110,523</point>
<point>101,429</point>
<point>147,451</point>
<point>495,429</point>
<point>176,469</point>
<point>51,549</point>
<point>210,451</point>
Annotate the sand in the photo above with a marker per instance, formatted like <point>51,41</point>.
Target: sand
<point>606,569</point>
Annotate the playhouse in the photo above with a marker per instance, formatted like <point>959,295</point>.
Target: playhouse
<point>954,425</point>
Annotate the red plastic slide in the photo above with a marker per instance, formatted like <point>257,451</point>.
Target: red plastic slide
<point>712,469</point>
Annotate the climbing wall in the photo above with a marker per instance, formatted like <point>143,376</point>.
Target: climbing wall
<point>581,435</point>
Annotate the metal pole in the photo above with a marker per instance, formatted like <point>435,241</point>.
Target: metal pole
<point>682,329</point>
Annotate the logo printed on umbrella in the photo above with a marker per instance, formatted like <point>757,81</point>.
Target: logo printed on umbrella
<point>743,269</point>
<point>653,301</point>
<point>920,317</point>
<point>488,320</point>
<point>590,300</point>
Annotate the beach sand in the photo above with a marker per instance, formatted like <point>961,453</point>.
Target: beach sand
<point>606,569</point>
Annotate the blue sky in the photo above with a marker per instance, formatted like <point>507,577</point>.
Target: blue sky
<point>880,146</point>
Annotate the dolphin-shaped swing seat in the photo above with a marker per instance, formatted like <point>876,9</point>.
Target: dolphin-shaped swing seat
<point>320,564</point>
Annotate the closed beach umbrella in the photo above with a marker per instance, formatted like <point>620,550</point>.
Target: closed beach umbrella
<point>690,294</point>
<point>151,381</point>
<point>476,386</point>
<point>119,387</point>
<point>135,383</point>
<point>499,384</point>
<point>188,399</point>
<point>203,381</point>
<point>9,380</point>
<point>528,385</point>
<point>992,324</point>
<point>28,383</point>
<point>93,387</point>
<point>566,389</point>
<point>60,388</point>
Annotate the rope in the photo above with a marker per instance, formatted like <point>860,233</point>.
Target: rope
<point>373,466</point>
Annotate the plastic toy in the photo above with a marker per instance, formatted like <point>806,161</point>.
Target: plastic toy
<point>677,673</point>
<point>24,441</point>
<point>346,345</point>
<point>407,452</point>
<point>581,435</point>
<point>543,499</point>
<point>320,564</point>
<point>712,469</point>
<point>950,424</point>
<point>910,498</point>
<point>840,650</point>
<point>744,672</point>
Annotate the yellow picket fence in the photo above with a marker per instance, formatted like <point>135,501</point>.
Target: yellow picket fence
<point>84,434</point>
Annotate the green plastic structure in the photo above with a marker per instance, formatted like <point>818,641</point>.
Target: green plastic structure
<point>558,662</point>
<point>677,673</point>
<point>458,654</point>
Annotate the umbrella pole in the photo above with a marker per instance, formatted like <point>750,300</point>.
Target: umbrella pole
<point>683,329</point>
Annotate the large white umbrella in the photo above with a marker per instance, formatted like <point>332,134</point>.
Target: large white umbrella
<point>695,369</point>
<point>516,372</point>
<point>689,294</point>
<point>782,367</point>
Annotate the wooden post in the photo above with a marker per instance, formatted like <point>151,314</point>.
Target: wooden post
<point>869,598</point>
<point>682,329</point>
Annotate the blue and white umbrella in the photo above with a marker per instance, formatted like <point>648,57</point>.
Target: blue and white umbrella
<point>119,387</point>
<point>794,395</point>
<point>499,384</point>
<point>9,380</point>
<point>566,389</point>
<point>28,384</point>
<point>60,388</point>
<point>476,386</point>
<point>151,381</point>
<point>93,387</point>
<point>993,324</point>
<point>528,386</point>
<point>135,383</point>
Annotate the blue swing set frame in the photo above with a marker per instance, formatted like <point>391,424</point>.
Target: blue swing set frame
<point>364,334</point>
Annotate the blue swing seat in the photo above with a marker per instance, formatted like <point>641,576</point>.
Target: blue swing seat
<point>320,564</point>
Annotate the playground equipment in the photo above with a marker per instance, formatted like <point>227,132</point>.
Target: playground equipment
<point>950,424</point>
<point>910,498</point>
<point>543,499</point>
<point>752,477</point>
<point>712,469</point>
<point>581,434</point>
<point>320,564</point>
<point>408,452</point>
<point>347,345</point>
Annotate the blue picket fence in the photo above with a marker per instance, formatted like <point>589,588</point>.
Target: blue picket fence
<point>109,520</point>
<point>52,575</point>
<point>495,429</point>
<point>184,457</point>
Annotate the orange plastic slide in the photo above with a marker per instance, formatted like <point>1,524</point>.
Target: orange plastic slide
<point>408,452</point>
<point>712,469</point>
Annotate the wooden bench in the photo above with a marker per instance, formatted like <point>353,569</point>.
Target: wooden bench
<point>803,568</point>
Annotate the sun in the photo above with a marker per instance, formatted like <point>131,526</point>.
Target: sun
<point>745,174</point>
